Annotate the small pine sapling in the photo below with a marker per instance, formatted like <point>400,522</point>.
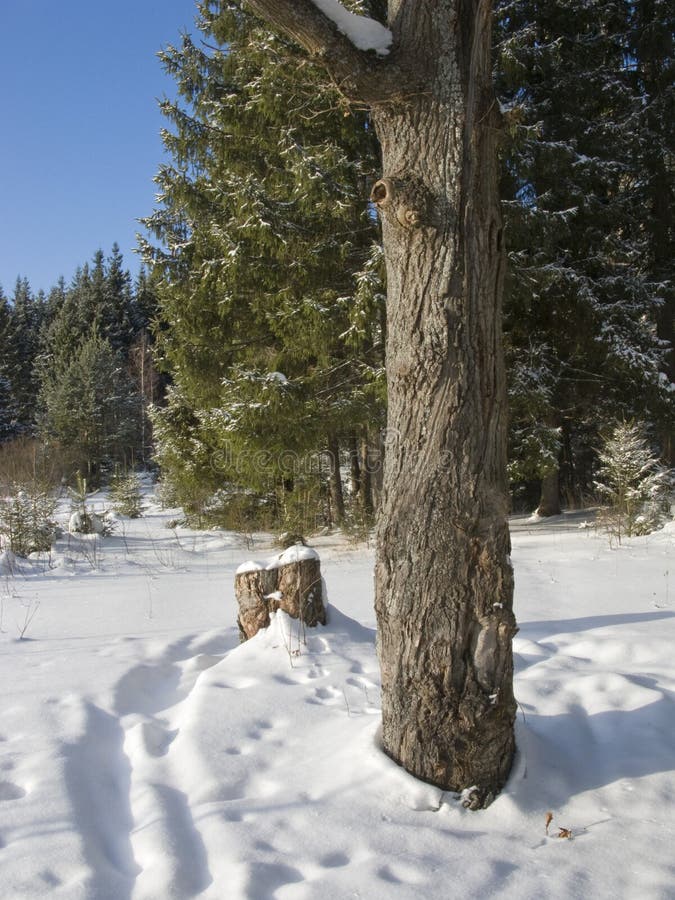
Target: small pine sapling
<point>126,496</point>
<point>27,520</point>
<point>83,519</point>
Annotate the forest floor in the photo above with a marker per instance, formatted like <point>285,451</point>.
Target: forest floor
<point>145,753</point>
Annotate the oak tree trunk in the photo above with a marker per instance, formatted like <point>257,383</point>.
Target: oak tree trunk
<point>443,578</point>
<point>444,582</point>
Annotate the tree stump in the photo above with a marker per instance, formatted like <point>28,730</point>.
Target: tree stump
<point>252,589</point>
<point>290,581</point>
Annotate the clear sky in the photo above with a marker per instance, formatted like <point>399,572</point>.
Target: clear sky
<point>79,128</point>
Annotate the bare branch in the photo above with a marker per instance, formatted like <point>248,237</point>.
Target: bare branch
<point>360,75</point>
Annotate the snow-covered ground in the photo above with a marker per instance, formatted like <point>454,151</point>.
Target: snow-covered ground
<point>145,754</point>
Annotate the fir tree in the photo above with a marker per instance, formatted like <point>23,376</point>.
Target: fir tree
<point>118,307</point>
<point>634,482</point>
<point>581,301</point>
<point>262,242</point>
<point>90,408</point>
<point>7,409</point>
<point>126,496</point>
<point>25,324</point>
<point>651,63</point>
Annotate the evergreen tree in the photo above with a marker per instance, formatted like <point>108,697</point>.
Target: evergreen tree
<point>263,239</point>
<point>7,410</point>
<point>90,408</point>
<point>581,300</point>
<point>144,307</point>
<point>26,318</point>
<point>126,495</point>
<point>69,319</point>
<point>117,308</point>
<point>634,482</point>
<point>652,66</point>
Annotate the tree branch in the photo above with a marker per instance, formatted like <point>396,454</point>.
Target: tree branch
<point>360,75</point>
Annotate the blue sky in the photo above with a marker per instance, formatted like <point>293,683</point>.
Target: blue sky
<point>79,145</point>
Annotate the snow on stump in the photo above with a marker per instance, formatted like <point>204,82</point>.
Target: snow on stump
<point>290,581</point>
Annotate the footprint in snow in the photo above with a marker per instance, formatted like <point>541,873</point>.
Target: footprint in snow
<point>334,860</point>
<point>317,672</point>
<point>10,791</point>
<point>157,739</point>
<point>362,683</point>
<point>326,696</point>
<point>257,732</point>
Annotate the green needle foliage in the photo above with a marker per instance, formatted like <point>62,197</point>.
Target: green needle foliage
<point>268,280</point>
<point>634,482</point>
<point>584,293</point>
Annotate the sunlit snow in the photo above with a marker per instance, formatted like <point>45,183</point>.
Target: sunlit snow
<point>145,753</point>
<point>363,32</point>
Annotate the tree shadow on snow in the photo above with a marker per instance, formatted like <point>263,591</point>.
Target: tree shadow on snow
<point>564,755</point>
<point>547,628</point>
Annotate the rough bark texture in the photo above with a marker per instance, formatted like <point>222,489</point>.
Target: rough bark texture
<point>301,591</point>
<point>358,75</point>
<point>296,588</point>
<point>251,589</point>
<point>337,500</point>
<point>444,582</point>
<point>354,467</point>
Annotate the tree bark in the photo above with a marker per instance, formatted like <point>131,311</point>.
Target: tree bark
<point>354,467</point>
<point>549,502</point>
<point>335,480</point>
<point>444,584</point>
<point>370,462</point>
<point>295,587</point>
<point>443,578</point>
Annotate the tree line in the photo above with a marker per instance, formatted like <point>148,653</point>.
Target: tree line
<point>76,371</point>
<point>267,303</point>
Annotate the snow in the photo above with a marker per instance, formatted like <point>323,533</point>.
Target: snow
<point>364,32</point>
<point>145,753</point>
<point>295,553</point>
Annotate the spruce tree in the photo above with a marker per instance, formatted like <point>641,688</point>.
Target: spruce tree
<point>633,481</point>
<point>26,316</point>
<point>651,64</point>
<point>581,301</point>
<point>7,411</point>
<point>262,242</point>
<point>90,408</point>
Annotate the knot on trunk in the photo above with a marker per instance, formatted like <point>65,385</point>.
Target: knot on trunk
<point>404,198</point>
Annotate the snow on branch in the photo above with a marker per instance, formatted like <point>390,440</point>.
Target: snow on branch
<point>343,43</point>
<point>363,32</point>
